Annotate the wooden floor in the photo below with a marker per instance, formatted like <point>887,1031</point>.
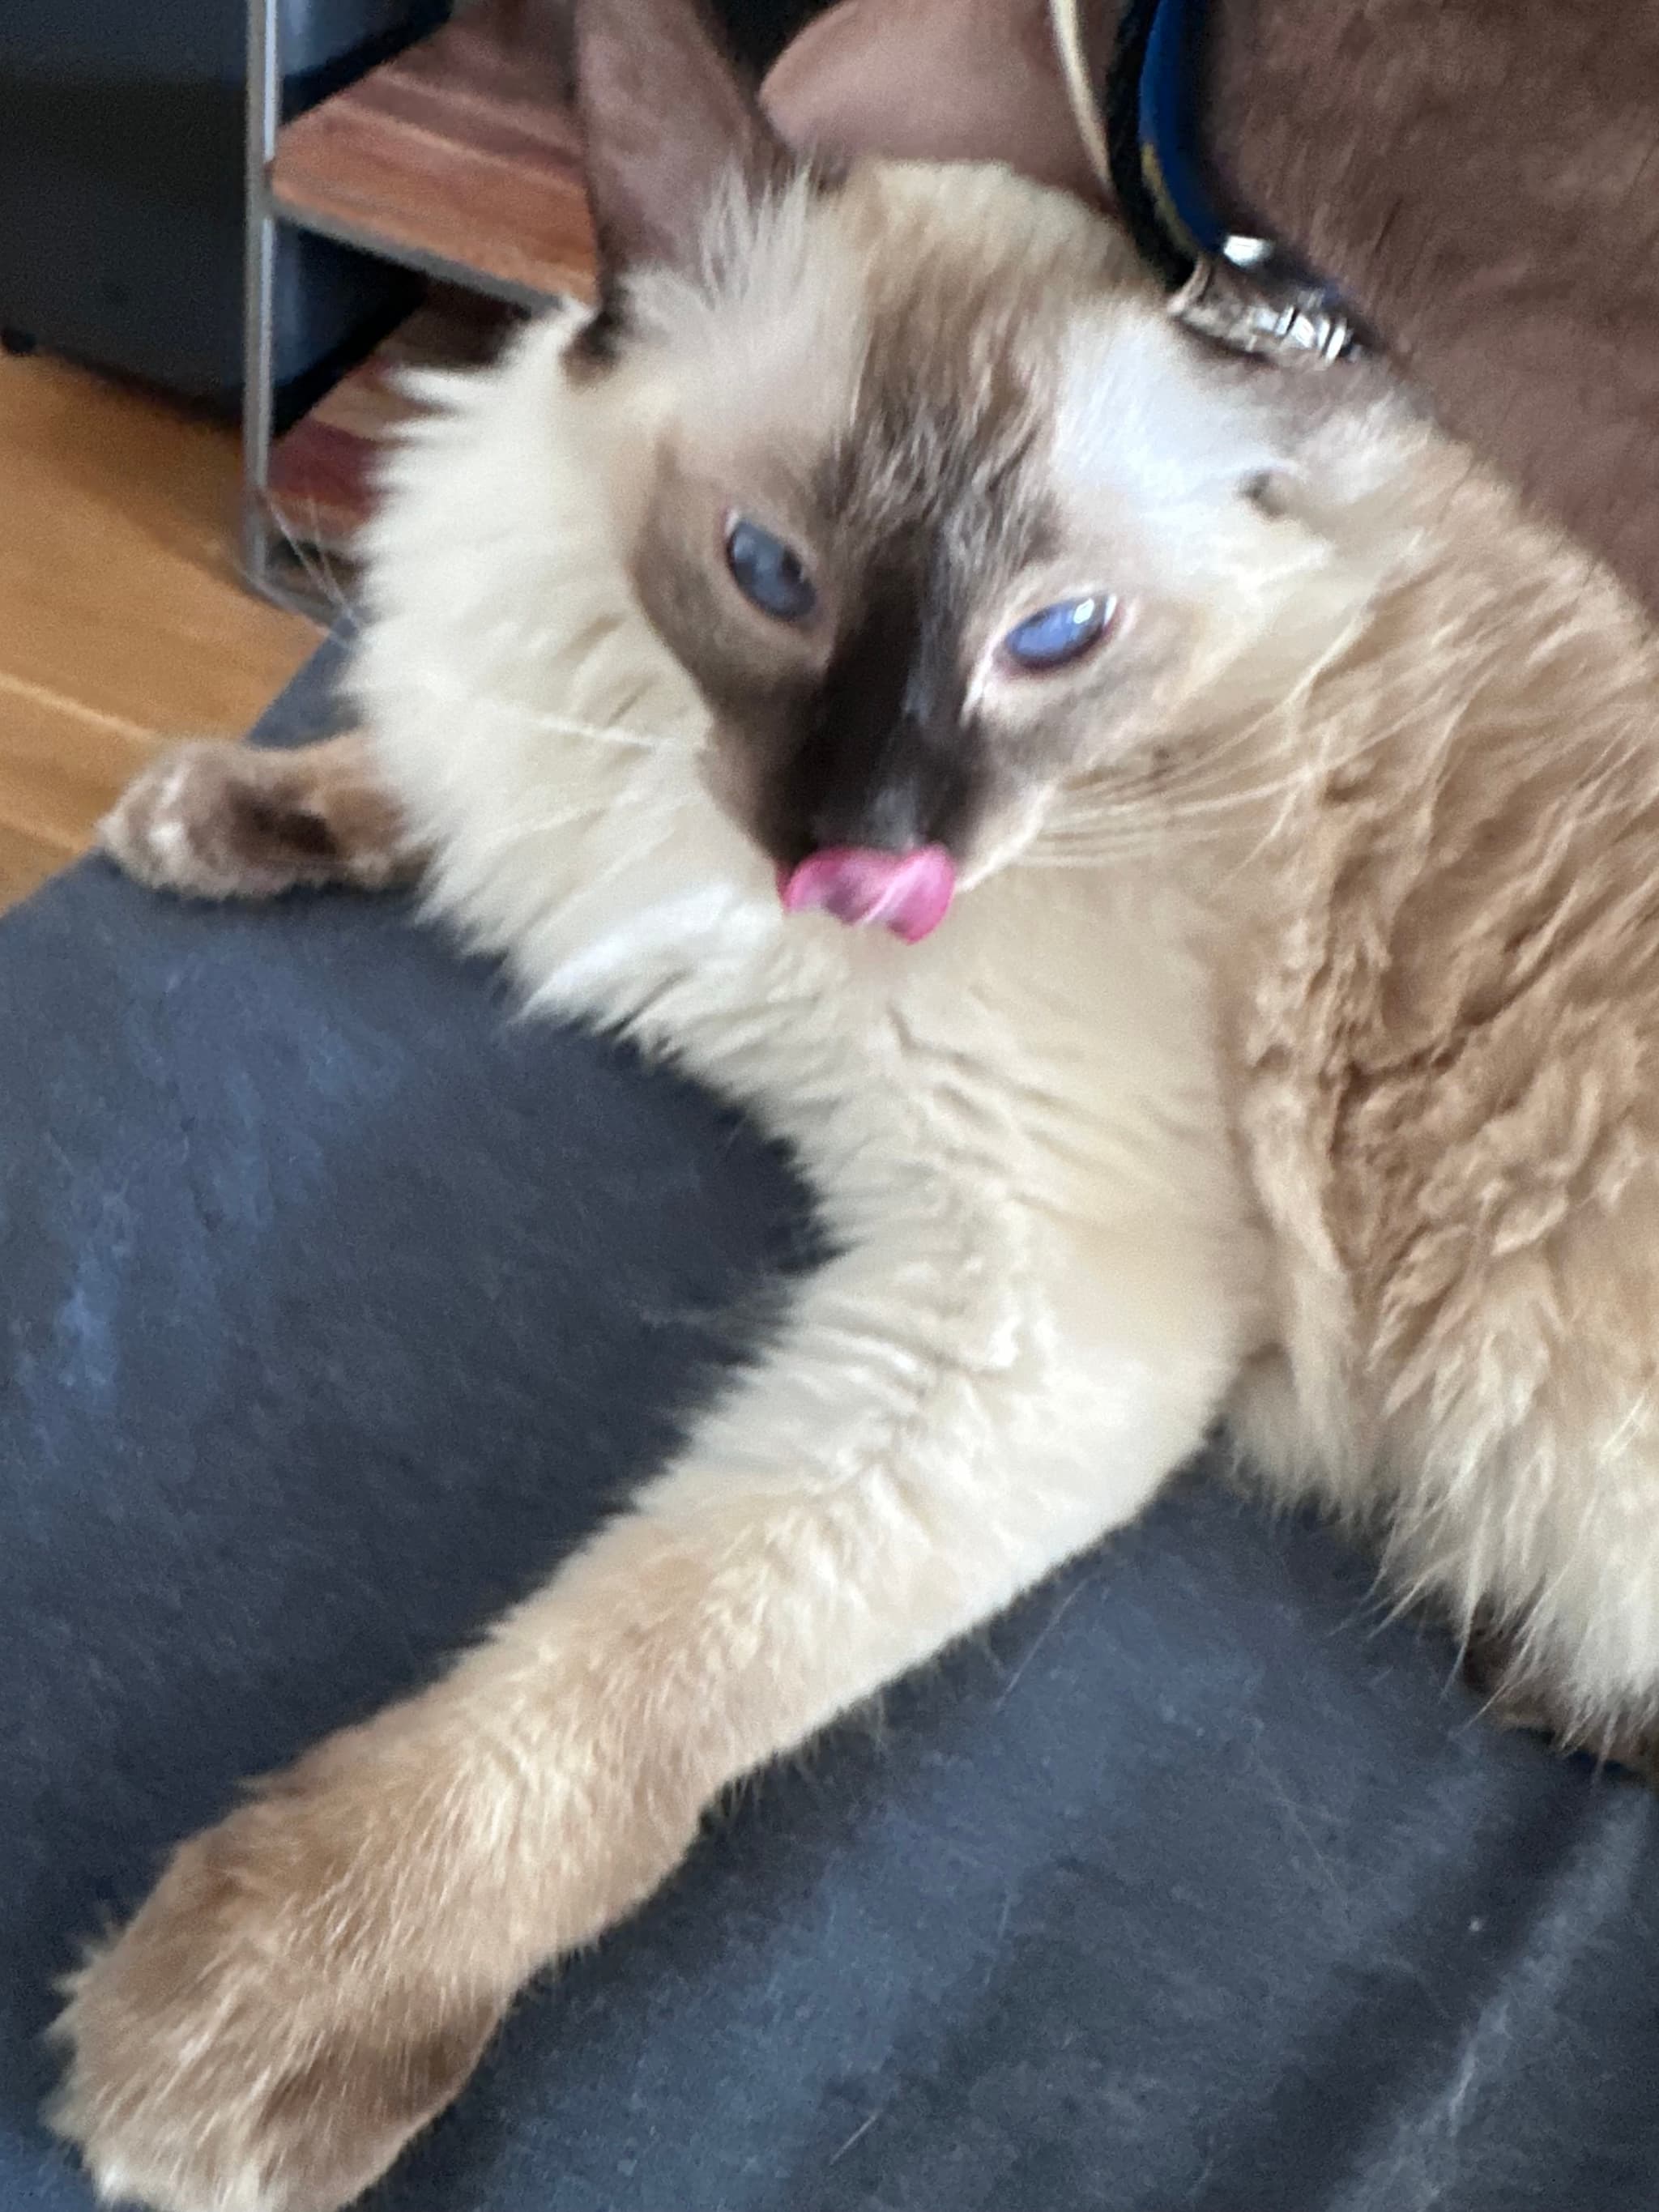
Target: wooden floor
<point>122,624</point>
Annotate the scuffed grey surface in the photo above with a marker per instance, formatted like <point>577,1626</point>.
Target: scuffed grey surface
<point>335,1304</point>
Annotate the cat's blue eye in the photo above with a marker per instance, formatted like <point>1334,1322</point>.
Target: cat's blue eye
<point>1055,634</point>
<point>768,572</point>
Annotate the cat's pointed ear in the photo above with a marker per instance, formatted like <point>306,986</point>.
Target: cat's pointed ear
<point>666,121</point>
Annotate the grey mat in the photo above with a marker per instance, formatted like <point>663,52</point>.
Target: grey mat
<point>336,1303</point>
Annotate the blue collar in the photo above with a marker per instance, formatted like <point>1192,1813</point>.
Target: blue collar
<point>1230,284</point>
<point>1172,165</point>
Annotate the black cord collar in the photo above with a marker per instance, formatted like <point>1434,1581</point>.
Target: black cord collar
<point>1242,291</point>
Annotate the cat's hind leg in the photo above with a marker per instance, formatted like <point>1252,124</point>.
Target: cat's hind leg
<point>1523,1480</point>
<point>232,821</point>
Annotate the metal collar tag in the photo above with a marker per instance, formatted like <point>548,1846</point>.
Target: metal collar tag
<point>1247,298</point>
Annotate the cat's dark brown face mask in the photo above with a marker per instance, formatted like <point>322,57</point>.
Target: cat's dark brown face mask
<point>828,590</point>
<point>877,445</point>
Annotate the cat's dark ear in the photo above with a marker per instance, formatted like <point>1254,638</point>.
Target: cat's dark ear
<point>666,120</point>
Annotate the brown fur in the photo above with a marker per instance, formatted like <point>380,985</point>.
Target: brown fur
<point>1445,1030</point>
<point>1478,176</point>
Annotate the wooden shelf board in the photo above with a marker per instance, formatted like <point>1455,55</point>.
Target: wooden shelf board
<point>459,155</point>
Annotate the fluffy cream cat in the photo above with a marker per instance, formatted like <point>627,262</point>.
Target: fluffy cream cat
<point>1172,848</point>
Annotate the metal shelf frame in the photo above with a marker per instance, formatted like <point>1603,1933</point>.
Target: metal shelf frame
<point>271,565</point>
<point>262,561</point>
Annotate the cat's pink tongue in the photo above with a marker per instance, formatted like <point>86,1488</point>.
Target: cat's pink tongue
<point>908,893</point>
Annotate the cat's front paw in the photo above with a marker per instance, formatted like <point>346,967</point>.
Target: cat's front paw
<point>229,822</point>
<point>259,2039</point>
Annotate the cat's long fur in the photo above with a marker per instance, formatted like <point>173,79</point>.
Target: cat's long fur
<point>1290,1056</point>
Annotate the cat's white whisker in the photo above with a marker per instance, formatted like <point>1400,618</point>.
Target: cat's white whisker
<point>512,716</point>
<point>313,560</point>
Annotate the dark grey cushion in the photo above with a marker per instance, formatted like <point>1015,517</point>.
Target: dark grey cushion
<point>337,1303</point>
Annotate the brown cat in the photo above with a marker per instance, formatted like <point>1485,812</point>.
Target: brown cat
<point>1171,845</point>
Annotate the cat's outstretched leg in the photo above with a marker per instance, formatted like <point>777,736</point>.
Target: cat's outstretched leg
<point>951,1413</point>
<point>231,820</point>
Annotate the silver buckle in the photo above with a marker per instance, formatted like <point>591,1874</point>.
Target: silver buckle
<point>1247,299</point>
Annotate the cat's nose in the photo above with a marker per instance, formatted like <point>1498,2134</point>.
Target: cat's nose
<point>897,795</point>
<point>890,816</point>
